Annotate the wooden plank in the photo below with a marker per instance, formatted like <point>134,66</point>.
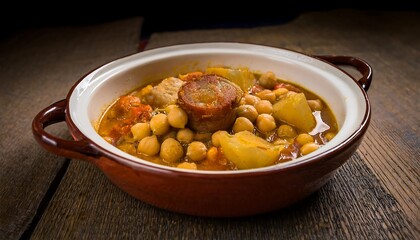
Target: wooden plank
<point>390,43</point>
<point>38,67</point>
<point>353,205</point>
<point>391,148</point>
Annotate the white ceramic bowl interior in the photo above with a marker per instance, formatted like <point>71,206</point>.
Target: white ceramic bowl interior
<point>101,87</point>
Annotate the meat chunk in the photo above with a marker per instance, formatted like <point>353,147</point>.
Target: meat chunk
<point>210,103</point>
<point>165,93</point>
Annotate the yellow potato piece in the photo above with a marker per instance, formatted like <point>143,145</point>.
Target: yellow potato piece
<point>248,151</point>
<point>241,77</point>
<point>294,110</point>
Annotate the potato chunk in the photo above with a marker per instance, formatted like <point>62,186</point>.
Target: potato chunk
<point>294,110</point>
<point>244,78</point>
<point>248,151</point>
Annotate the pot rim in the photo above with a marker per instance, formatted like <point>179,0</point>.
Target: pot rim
<point>290,165</point>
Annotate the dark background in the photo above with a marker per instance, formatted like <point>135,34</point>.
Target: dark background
<point>161,16</point>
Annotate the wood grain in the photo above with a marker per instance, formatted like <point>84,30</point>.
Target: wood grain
<point>390,43</point>
<point>353,205</point>
<point>38,67</point>
<point>375,195</point>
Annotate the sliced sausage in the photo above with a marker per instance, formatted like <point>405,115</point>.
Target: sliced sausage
<point>210,103</point>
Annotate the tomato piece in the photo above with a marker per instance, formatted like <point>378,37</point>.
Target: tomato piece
<point>130,110</point>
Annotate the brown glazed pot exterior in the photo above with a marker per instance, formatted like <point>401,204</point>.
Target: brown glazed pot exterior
<point>195,193</point>
<point>222,196</point>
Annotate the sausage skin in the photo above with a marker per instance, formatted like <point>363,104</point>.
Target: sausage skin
<point>210,103</point>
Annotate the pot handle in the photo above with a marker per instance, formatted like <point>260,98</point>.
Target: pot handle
<point>55,113</point>
<point>361,65</point>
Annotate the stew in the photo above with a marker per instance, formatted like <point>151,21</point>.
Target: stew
<point>219,119</point>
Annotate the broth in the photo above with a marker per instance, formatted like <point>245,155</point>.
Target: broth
<point>219,119</point>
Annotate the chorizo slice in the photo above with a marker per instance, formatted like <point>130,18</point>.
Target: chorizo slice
<point>210,103</point>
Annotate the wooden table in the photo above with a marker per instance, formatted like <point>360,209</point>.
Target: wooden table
<point>375,195</point>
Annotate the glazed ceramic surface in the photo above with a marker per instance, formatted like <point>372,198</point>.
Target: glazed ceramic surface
<point>212,193</point>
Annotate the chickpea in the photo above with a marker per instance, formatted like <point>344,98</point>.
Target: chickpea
<point>177,117</point>
<point>267,95</point>
<point>304,138</point>
<point>170,107</point>
<point>149,146</point>
<point>264,106</point>
<point>268,80</point>
<point>196,151</point>
<point>247,111</point>
<point>280,91</point>
<point>265,123</point>
<point>315,105</point>
<point>140,131</point>
<point>146,90</point>
<point>308,148</point>
<point>159,124</point>
<point>242,124</point>
<point>286,131</point>
<point>171,150</point>
<point>212,154</point>
<point>187,165</point>
<point>330,136</point>
<point>215,138</point>
<point>251,99</point>
<point>185,135</point>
